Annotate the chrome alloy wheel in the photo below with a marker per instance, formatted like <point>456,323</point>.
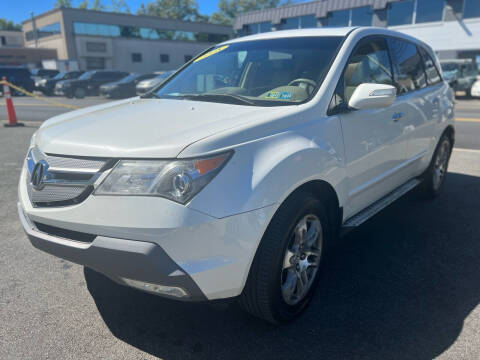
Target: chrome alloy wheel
<point>441,163</point>
<point>301,259</point>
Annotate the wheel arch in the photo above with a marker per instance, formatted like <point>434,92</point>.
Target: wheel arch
<point>326,193</point>
<point>450,132</point>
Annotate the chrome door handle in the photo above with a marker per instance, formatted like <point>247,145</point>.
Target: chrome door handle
<point>397,116</point>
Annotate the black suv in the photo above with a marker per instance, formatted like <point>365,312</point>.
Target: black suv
<point>88,83</point>
<point>19,76</point>
<point>47,86</point>
<point>125,87</point>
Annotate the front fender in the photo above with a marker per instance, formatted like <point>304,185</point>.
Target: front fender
<point>265,171</point>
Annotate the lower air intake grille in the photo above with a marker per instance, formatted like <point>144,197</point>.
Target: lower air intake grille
<point>65,233</point>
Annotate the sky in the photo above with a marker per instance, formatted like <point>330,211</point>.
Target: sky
<point>19,10</point>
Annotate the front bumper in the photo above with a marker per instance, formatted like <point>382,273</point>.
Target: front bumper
<point>152,240</point>
<point>120,259</point>
<point>475,91</point>
<point>59,91</point>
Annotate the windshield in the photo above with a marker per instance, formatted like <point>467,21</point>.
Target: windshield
<point>165,75</point>
<point>263,72</point>
<point>86,75</point>
<point>59,76</point>
<point>449,66</point>
<point>129,78</point>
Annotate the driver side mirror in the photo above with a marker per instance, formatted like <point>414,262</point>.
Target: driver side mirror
<point>372,96</point>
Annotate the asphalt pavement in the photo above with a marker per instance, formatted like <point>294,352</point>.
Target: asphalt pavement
<point>405,285</point>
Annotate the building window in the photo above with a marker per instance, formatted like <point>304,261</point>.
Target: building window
<point>188,58</point>
<point>400,13</point>
<point>96,46</point>
<point>290,23</point>
<point>44,31</point>
<point>361,16</point>
<point>339,18</point>
<point>301,22</point>
<point>471,9</point>
<point>3,40</point>
<point>80,28</point>
<point>136,57</point>
<point>94,63</point>
<point>164,58</point>
<point>429,10</point>
<point>257,28</point>
<point>308,21</point>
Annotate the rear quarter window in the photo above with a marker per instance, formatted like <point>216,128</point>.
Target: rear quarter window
<point>407,62</point>
<point>433,76</point>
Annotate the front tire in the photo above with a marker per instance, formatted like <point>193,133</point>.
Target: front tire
<point>434,176</point>
<point>286,267</point>
<point>80,93</point>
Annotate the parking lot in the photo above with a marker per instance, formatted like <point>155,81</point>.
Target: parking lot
<point>405,285</point>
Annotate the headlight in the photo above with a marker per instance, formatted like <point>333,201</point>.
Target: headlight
<point>178,180</point>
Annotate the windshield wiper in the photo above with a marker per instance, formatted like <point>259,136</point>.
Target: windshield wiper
<point>150,95</point>
<point>228,98</point>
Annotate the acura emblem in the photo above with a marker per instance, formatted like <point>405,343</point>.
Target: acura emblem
<point>38,174</point>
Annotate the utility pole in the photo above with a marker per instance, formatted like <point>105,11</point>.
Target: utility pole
<point>34,27</point>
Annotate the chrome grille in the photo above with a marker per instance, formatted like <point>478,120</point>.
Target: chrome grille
<point>63,181</point>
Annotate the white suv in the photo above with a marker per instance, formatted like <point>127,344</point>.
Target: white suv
<point>233,177</point>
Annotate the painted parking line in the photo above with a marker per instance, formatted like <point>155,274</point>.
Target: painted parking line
<point>473,151</point>
<point>461,119</point>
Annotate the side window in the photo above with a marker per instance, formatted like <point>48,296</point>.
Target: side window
<point>433,77</point>
<point>409,73</point>
<point>369,63</point>
<point>99,76</point>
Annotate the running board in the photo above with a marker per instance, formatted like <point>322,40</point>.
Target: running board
<point>371,210</point>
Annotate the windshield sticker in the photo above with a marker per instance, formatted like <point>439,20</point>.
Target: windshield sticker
<point>210,53</point>
<point>281,95</point>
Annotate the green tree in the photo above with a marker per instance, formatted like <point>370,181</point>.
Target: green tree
<point>172,9</point>
<point>9,25</point>
<point>120,6</point>
<point>83,4</point>
<point>62,3</point>
<point>228,9</point>
<point>97,5</point>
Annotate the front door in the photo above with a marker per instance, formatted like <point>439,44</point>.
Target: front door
<point>374,139</point>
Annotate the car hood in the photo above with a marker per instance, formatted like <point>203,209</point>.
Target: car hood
<point>141,128</point>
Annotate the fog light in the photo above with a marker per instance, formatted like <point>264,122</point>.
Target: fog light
<point>156,288</point>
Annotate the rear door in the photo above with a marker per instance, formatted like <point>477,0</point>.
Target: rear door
<point>419,99</point>
<point>375,144</point>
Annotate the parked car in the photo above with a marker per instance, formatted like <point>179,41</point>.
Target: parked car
<point>40,74</point>
<point>460,73</point>
<point>125,87</point>
<point>147,85</point>
<point>476,89</point>
<point>47,86</point>
<point>19,76</point>
<point>88,83</point>
<point>233,178</point>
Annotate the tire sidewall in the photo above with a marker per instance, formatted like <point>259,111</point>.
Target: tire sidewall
<point>431,172</point>
<point>79,93</point>
<point>286,312</point>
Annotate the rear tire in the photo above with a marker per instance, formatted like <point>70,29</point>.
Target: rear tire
<point>434,176</point>
<point>80,93</point>
<point>286,267</point>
